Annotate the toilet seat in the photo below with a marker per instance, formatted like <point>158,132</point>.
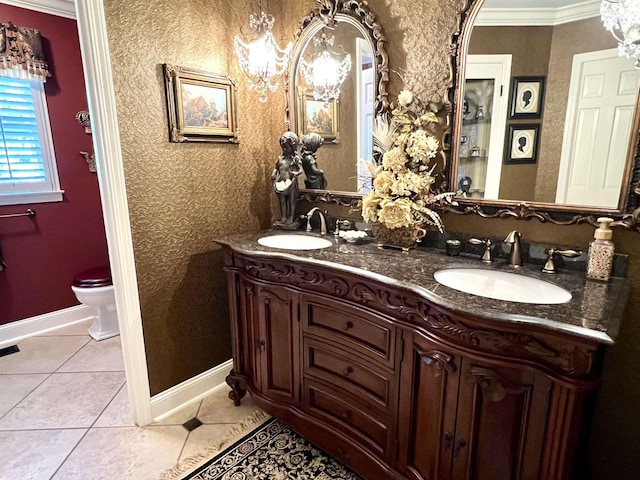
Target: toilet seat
<point>95,277</point>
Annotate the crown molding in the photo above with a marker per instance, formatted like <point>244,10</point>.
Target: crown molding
<point>521,17</point>
<point>61,8</point>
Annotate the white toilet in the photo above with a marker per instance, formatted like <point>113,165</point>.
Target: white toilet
<point>94,289</point>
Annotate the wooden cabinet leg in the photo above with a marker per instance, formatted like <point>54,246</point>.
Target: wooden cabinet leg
<point>237,392</point>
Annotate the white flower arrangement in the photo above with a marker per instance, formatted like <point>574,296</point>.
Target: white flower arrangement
<point>401,192</point>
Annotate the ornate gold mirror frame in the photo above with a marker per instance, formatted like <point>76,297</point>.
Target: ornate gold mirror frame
<point>628,217</point>
<point>328,12</point>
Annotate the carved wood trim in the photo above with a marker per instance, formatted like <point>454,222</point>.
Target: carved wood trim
<point>495,387</point>
<point>572,359</point>
<point>439,360</point>
<point>345,199</point>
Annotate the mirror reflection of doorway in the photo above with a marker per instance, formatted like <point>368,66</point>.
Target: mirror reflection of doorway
<point>484,119</point>
<point>365,78</point>
<point>600,112</point>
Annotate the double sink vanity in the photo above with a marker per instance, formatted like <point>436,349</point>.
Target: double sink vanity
<point>367,353</point>
<point>425,366</point>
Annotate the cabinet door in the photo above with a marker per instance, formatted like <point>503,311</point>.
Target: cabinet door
<point>501,421</point>
<point>428,401</point>
<point>278,344</point>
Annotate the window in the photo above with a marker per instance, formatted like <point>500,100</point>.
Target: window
<point>28,171</point>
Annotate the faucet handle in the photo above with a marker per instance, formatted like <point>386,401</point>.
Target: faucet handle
<point>550,265</point>
<point>344,223</point>
<point>487,256</point>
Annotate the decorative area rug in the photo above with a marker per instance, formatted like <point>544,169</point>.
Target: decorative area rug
<point>272,451</point>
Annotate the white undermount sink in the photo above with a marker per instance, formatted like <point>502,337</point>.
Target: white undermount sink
<point>294,242</point>
<point>500,285</point>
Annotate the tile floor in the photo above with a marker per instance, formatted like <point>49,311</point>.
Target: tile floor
<point>64,415</point>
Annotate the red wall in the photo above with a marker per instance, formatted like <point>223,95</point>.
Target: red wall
<point>44,253</point>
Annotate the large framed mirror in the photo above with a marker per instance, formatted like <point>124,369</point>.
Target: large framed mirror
<point>545,115</point>
<point>346,123</point>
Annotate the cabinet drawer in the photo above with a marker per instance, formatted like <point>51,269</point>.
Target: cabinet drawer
<point>348,414</point>
<point>350,326</point>
<point>341,368</point>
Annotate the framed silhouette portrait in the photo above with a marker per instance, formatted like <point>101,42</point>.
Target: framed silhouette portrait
<point>527,97</point>
<point>522,144</point>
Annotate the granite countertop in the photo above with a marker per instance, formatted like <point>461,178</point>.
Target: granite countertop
<point>594,311</point>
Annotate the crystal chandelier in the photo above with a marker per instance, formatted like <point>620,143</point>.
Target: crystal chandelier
<point>622,19</point>
<point>260,57</point>
<point>325,73</point>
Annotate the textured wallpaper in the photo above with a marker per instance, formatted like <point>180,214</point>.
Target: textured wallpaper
<point>183,196</point>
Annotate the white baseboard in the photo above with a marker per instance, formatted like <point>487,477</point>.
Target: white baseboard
<point>175,398</point>
<point>13,332</point>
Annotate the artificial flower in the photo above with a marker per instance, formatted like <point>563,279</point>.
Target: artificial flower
<point>408,148</point>
<point>405,98</point>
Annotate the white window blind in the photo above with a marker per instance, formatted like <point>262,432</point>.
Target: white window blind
<point>28,171</point>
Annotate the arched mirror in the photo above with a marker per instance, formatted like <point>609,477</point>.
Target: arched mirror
<point>344,123</point>
<point>545,113</point>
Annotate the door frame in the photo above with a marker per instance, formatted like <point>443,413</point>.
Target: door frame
<point>94,47</point>
<point>499,114</point>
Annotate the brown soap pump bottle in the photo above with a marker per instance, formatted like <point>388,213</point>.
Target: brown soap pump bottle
<point>601,251</point>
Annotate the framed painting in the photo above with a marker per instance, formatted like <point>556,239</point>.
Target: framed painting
<point>527,97</point>
<point>201,106</point>
<point>320,117</point>
<point>522,144</point>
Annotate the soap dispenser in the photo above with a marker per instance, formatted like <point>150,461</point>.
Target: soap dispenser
<point>601,252</point>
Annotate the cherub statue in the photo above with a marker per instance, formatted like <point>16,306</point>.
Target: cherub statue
<point>315,176</point>
<point>285,181</point>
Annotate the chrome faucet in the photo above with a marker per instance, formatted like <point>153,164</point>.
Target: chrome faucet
<point>515,257</point>
<point>323,222</point>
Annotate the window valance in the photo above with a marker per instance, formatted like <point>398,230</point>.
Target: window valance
<point>21,53</point>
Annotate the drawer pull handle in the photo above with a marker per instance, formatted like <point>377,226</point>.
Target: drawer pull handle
<point>347,325</point>
<point>460,443</point>
<point>448,438</point>
<point>347,371</point>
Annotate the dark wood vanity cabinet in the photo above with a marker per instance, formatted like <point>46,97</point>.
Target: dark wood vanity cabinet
<point>398,388</point>
<point>270,338</point>
<point>463,418</point>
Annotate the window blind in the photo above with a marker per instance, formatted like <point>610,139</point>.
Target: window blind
<point>21,158</point>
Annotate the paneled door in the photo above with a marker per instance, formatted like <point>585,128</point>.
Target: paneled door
<point>602,97</point>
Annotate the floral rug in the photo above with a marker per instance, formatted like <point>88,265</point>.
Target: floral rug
<point>272,451</point>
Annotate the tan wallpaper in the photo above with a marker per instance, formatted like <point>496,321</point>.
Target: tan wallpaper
<point>183,196</point>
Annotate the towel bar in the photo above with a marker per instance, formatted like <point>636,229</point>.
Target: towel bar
<point>28,213</point>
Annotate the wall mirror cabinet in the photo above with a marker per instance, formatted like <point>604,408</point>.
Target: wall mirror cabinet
<point>545,115</point>
<point>344,123</point>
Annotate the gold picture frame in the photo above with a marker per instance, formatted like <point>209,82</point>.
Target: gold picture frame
<point>201,106</point>
<point>318,116</point>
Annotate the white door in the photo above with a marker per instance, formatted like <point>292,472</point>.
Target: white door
<point>496,70</point>
<point>602,97</point>
<point>365,91</point>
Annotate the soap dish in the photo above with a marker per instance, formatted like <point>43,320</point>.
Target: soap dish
<point>352,236</point>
